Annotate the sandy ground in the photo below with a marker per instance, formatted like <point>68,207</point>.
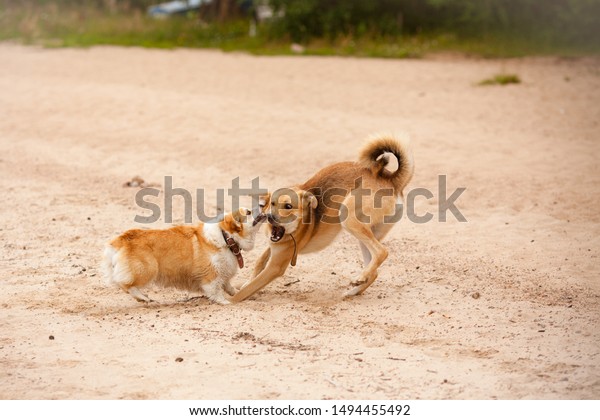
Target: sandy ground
<point>504,306</point>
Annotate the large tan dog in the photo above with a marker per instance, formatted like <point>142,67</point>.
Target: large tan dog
<point>360,197</point>
<point>201,258</point>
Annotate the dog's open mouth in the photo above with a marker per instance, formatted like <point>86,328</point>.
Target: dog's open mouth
<point>259,219</point>
<point>277,233</point>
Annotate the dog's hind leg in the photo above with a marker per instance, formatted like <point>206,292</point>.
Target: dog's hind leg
<point>365,253</point>
<point>137,294</point>
<point>118,271</point>
<point>376,251</point>
<point>139,272</point>
<point>379,231</point>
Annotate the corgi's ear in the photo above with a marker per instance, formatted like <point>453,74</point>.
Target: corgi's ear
<point>241,215</point>
<point>232,222</point>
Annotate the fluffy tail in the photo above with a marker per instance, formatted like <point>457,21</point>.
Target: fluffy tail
<point>389,157</point>
<point>108,264</point>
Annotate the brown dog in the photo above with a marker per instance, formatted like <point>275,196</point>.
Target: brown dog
<point>201,258</point>
<point>360,197</point>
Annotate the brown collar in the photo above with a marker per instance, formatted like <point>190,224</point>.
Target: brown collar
<point>234,247</point>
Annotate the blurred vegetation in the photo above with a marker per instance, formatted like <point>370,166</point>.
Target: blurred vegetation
<point>376,28</point>
<point>60,23</point>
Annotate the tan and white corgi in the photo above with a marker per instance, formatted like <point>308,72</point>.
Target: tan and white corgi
<point>201,258</point>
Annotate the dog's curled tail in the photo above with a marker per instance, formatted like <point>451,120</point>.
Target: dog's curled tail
<point>389,156</point>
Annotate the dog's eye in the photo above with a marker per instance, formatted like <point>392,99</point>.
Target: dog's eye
<point>288,206</point>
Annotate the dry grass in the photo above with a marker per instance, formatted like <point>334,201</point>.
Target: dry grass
<point>501,79</point>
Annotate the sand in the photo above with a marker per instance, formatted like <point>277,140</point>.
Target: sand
<point>506,305</point>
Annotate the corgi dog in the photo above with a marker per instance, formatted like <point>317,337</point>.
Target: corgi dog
<point>202,258</point>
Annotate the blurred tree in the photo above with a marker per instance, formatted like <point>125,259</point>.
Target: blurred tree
<point>221,10</point>
<point>305,19</point>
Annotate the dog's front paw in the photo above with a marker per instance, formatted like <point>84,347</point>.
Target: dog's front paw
<point>231,290</point>
<point>358,283</point>
<point>352,292</point>
<point>221,300</point>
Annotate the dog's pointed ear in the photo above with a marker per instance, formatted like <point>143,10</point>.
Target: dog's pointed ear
<point>311,200</point>
<point>229,224</point>
<point>263,201</point>
<point>233,221</point>
<point>240,215</point>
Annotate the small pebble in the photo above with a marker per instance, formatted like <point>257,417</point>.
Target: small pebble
<point>179,359</point>
<point>476,295</point>
<point>51,337</point>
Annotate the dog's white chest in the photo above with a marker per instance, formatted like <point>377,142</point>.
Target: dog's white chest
<point>225,263</point>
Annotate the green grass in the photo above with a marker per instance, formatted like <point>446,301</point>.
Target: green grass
<point>78,27</point>
<point>501,79</point>
<point>84,27</point>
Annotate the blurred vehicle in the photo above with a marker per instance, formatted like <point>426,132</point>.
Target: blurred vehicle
<point>175,7</point>
<point>259,9</point>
